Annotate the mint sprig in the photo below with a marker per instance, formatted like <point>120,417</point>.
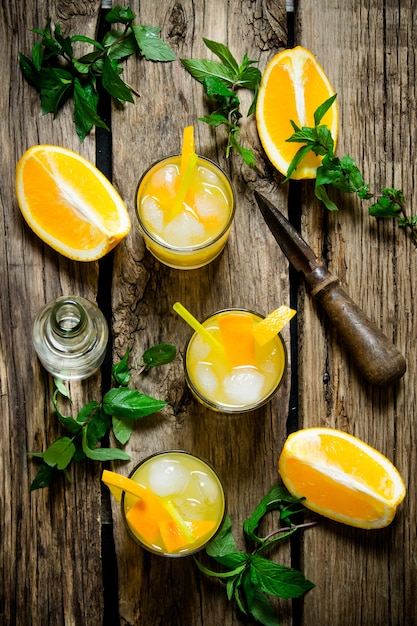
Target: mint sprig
<point>221,81</point>
<point>121,406</point>
<point>343,174</point>
<point>250,577</point>
<point>59,75</point>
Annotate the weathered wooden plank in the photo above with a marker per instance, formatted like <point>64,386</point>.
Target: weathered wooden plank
<point>244,449</point>
<point>50,567</point>
<point>368,53</point>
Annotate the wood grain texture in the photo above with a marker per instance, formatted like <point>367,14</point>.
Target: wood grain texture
<point>366,51</point>
<point>50,567</point>
<point>244,449</point>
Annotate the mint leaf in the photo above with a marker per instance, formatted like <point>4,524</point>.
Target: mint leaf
<point>260,606</point>
<point>121,371</point>
<point>85,109</point>
<point>54,71</point>
<point>122,429</point>
<point>125,402</point>
<point>278,580</point>
<point>343,174</point>
<point>223,543</point>
<point>96,427</point>
<point>246,154</point>
<point>161,354</point>
<point>121,15</point>
<point>234,560</point>
<point>113,84</point>
<point>56,87</point>
<point>94,421</point>
<point>150,45</point>
<point>87,411</point>
<point>321,194</point>
<point>321,111</point>
<point>102,454</point>
<point>120,45</point>
<point>385,207</point>
<point>220,81</point>
<point>277,498</point>
<point>223,53</point>
<point>61,388</point>
<point>299,156</point>
<point>60,453</point>
<point>45,476</point>
<point>250,576</point>
<point>201,69</point>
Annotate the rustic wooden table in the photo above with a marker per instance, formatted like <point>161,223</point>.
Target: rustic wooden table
<point>65,556</point>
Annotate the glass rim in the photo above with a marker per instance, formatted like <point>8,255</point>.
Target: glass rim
<point>141,543</point>
<point>220,408</point>
<point>185,249</point>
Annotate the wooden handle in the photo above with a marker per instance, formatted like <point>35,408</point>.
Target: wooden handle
<point>374,354</point>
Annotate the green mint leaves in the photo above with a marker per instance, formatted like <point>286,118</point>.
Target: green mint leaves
<point>221,80</point>
<point>343,174</point>
<point>251,577</point>
<point>119,409</point>
<point>58,75</point>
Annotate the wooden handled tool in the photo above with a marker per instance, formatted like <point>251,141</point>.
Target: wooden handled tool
<point>374,354</point>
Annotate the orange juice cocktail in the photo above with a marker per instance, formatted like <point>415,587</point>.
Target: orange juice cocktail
<point>240,374</point>
<point>184,505</point>
<point>185,232</point>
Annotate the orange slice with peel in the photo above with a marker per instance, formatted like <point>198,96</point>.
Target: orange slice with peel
<point>69,203</point>
<point>145,514</point>
<point>117,483</point>
<point>144,517</point>
<point>237,338</point>
<point>175,539</point>
<point>272,324</point>
<point>187,148</point>
<point>293,86</point>
<point>188,166</point>
<point>341,477</point>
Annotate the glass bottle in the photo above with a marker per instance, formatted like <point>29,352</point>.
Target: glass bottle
<point>70,337</point>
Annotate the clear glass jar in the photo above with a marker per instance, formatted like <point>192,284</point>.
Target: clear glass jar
<point>70,337</point>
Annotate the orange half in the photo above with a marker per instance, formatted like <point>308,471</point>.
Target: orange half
<point>69,203</point>
<point>293,86</point>
<point>341,477</point>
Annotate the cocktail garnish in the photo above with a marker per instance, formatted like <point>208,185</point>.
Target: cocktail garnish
<point>118,483</point>
<point>273,323</point>
<point>187,168</point>
<point>173,511</point>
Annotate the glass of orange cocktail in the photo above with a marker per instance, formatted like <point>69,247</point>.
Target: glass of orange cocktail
<point>183,508</point>
<point>228,370</point>
<point>185,225</point>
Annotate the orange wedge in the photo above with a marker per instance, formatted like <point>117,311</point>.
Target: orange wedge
<point>187,148</point>
<point>272,324</point>
<point>293,86</point>
<point>175,539</point>
<point>341,477</point>
<point>237,338</point>
<point>144,517</point>
<point>117,483</point>
<point>69,203</point>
